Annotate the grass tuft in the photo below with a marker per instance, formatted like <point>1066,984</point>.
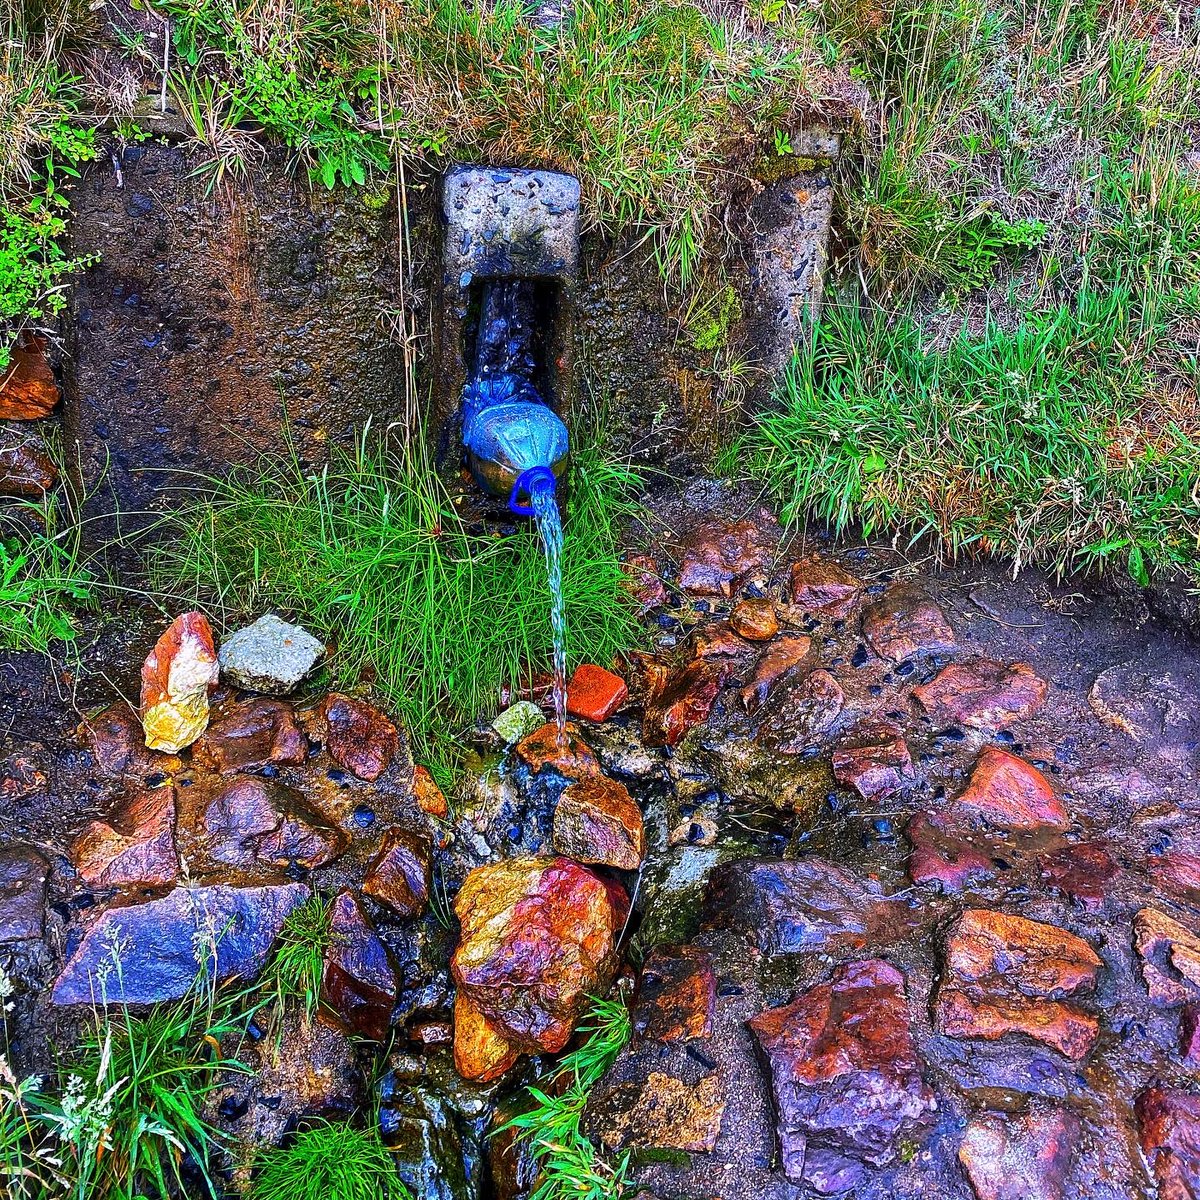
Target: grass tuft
<point>299,958</point>
<point>328,1161</point>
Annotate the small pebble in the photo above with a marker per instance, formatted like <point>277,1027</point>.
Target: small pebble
<point>364,816</point>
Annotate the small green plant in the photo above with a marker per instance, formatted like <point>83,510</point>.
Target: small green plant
<point>299,958</point>
<point>711,319</point>
<point>569,1166</point>
<point>328,1161</point>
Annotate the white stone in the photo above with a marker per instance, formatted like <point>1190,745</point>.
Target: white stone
<point>269,656</point>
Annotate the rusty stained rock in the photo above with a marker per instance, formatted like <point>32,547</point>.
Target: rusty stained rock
<point>1008,793</point>
<point>982,694</point>
<point>358,984</point>
<point>250,735</point>
<point>28,390</point>
<point>115,740</point>
<point>26,471</point>
<point>644,582</point>
<point>846,1077</point>
<point>596,820</point>
<point>680,699</point>
<point>401,873</point>
<point>802,709</point>
<point>1170,957</point>
<point>720,555</point>
<point>676,996</point>
<point>754,618</point>
<point>539,936</point>
<point>482,1052</point>
<point>135,849</point>
<point>664,1113</point>
<point>1009,1157</point>
<point>177,677</point>
<point>1082,872</point>
<point>1169,1134</point>
<point>876,769</point>
<point>822,588</point>
<point>904,622</point>
<point>942,858</point>
<point>717,639</point>
<point>572,759</point>
<point>430,798</point>
<point>1006,974</point>
<point>778,658</point>
<point>358,736</point>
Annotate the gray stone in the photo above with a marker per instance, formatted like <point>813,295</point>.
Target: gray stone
<point>164,945</point>
<point>22,893</point>
<point>269,656</point>
<point>518,720</point>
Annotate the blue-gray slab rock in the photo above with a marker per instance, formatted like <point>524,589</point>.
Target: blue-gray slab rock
<point>269,656</point>
<point>23,874</point>
<point>148,953</point>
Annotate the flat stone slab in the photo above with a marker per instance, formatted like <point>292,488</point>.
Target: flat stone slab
<point>148,953</point>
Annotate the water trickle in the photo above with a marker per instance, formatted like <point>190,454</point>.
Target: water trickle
<point>549,524</point>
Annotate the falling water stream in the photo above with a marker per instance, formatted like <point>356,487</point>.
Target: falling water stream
<point>549,525</point>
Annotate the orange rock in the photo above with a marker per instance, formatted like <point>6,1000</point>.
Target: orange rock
<point>481,1051</point>
<point>539,935</point>
<point>754,619</point>
<point>1010,794</point>
<point>26,472</point>
<point>904,622</point>
<point>136,849</point>
<point>401,873</point>
<point>1170,954</point>
<point>823,588</point>
<point>780,656</point>
<point>28,390</point>
<point>718,640</point>
<point>177,677</point>
<point>252,734</point>
<point>430,798</point>
<point>594,693</point>
<point>679,700</point>
<point>598,821</point>
<point>573,759</point>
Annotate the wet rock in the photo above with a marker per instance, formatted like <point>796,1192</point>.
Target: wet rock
<point>982,694</point>
<point>679,700</point>
<point>754,619</point>
<point>943,859</point>
<point>1170,954</point>
<point>663,1113</point>
<point>359,737</point>
<point>677,993</point>
<point>401,873</point>
<point>430,798</point>
<point>846,1077</point>
<point>23,873</point>
<point>28,390</point>
<point>1006,974</point>
<point>177,676</point>
<point>779,657</point>
<point>538,937</point>
<point>1082,872</point>
<point>718,556</point>
<point>875,770</point>
<point>1006,1157</point>
<point>518,721</point>
<point>511,1163</point>
<point>301,839</point>
<point>801,711</point>
<point>358,984</point>
<point>594,693</point>
<point>1146,702</point>
<point>1189,1033</point>
<point>114,738</point>
<point>822,588</point>
<point>645,582</point>
<point>792,906</point>
<point>250,735</point>
<point>419,1127</point>
<point>572,758</point>
<point>20,778</point>
<point>482,1051</point>
<point>597,821</point>
<point>717,639</point>
<point>137,849</point>
<point>269,656</point>
<point>904,622</point>
<point>1169,1134</point>
<point>1007,793</point>
<point>26,471</point>
<point>163,945</point>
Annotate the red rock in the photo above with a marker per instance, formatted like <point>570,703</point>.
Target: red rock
<point>1170,954</point>
<point>358,985</point>
<point>1083,872</point>
<point>1189,1033</point>
<point>1180,871</point>
<point>1007,793</point>
<point>845,1075</point>
<point>573,759</point>
<point>594,693</point>
<point>679,700</point>
<point>677,994</point>
<point>1169,1134</point>
<point>876,770</point>
<point>801,711</point>
<point>26,472</point>
<point>644,582</point>
<point>939,858</point>
<point>904,622</point>
<point>481,1050</point>
<point>177,677</point>
<point>401,873</point>
<point>358,736</point>
<point>429,1034</point>
<point>251,735</point>
<point>982,694</point>
<point>596,820</point>
<point>1007,974</point>
<point>822,588</point>
<point>718,556</point>
<point>1006,1157</point>
<point>136,850</point>
<point>430,798</point>
<point>716,639</point>
<point>114,738</point>
<point>539,936</point>
<point>28,390</point>
<point>754,619</point>
<point>779,657</point>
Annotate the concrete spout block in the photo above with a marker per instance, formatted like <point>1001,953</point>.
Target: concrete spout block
<point>504,223</point>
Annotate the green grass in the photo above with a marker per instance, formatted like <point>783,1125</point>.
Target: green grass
<point>328,1161</point>
<point>569,1166</point>
<point>372,554</point>
<point>299,958</point>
